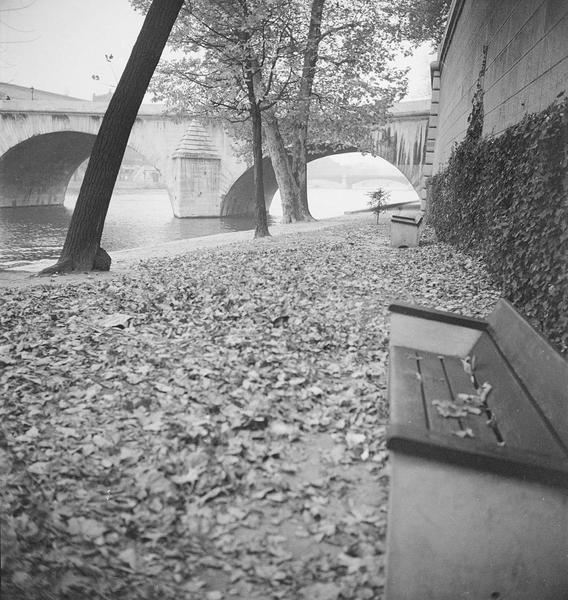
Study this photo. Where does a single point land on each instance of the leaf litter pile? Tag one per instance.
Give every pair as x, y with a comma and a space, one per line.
211, 426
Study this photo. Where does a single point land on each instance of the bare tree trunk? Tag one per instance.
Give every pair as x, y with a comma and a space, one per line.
251, 71
302, 180
282, 169
300, 148
261, 229
82, 251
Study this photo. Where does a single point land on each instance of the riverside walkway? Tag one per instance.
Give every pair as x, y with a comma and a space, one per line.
209, 423
124, 260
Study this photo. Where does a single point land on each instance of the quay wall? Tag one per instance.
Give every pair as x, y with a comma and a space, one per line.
526, 42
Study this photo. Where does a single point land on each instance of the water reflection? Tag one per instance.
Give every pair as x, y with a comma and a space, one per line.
144, 218
138, 218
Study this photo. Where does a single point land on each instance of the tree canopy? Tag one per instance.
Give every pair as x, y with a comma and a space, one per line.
425, 19
355, 79
325, 71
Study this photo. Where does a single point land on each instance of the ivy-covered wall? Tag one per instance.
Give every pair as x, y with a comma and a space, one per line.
506, 198
527, 57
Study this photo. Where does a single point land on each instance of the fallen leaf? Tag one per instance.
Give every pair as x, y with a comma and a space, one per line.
321, 591
128, 556
447, 409
190, 476
118, 320
39, 468
279, 428
129, 454
464, 433
86, 527
354, 439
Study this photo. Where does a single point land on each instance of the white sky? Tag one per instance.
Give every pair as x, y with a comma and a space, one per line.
57, 45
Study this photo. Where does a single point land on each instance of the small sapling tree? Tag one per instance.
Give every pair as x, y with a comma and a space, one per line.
378, 201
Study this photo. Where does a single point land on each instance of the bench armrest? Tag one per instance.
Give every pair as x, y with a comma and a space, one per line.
451, 318
434, 330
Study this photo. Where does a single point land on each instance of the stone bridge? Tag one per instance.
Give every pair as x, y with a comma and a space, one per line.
401, 141
42, 143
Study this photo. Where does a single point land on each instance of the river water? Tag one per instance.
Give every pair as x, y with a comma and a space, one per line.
145, 218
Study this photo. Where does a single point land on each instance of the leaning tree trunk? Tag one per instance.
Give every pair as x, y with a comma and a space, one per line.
81, 250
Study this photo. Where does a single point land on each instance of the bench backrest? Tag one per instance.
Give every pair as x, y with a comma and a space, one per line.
539, 367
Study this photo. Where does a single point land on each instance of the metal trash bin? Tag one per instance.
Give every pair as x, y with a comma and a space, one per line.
405, 230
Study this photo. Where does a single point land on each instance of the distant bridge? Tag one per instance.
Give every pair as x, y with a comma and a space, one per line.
42, 143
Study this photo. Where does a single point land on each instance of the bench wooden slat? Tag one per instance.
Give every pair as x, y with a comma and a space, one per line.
541, 369
461, 384
518, 421
436, 388
405, 386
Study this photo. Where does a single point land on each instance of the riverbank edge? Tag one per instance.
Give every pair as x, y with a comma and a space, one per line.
128, 260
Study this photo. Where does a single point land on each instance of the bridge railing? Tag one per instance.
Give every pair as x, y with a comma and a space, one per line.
72, 107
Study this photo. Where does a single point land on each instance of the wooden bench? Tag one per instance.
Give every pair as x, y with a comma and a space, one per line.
478, 442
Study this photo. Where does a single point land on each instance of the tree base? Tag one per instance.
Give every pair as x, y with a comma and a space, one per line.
102, 260
289, 219
70, 264
261, 233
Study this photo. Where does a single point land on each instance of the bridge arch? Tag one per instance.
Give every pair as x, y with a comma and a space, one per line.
401, 141
37, 170
239, 200
41, 144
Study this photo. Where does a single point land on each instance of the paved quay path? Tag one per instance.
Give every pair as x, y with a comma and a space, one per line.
211, 425
125, 260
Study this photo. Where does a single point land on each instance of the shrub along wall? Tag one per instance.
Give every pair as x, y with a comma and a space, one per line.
506, 198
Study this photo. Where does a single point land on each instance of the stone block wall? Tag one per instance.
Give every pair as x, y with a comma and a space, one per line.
526, 68
196, 187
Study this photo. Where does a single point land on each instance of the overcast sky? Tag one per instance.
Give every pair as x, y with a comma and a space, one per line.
57, 45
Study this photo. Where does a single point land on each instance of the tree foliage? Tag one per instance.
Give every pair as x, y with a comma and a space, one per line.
326, 63
225, 48
425, 20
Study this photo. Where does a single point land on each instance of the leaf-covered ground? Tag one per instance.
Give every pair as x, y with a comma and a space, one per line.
211, 426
